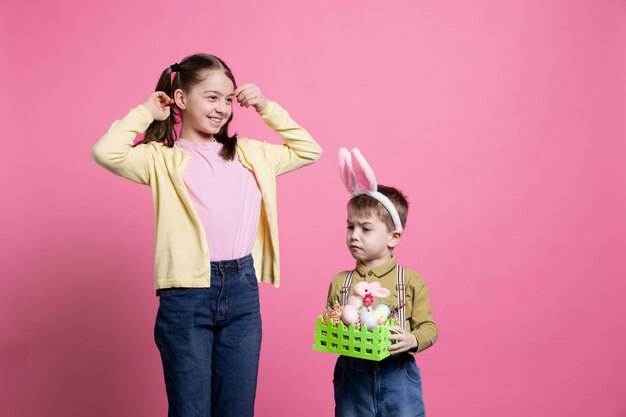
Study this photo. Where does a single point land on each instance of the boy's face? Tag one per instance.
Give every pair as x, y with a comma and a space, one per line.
369, 240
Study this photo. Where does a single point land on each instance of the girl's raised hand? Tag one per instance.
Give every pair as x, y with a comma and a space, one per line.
405, 340
251, 95
159, 105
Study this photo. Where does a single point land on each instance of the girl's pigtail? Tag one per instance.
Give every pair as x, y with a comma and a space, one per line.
229, 148
163, 131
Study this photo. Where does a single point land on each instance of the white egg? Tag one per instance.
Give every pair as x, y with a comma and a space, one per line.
368, 320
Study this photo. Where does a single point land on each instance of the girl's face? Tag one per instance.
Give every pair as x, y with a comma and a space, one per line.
207, 107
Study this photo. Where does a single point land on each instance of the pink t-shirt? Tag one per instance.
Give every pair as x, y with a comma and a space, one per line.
226, 197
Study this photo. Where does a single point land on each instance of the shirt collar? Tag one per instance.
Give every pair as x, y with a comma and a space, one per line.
379, 271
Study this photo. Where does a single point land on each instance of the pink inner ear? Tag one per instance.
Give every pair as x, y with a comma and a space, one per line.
363, 171
346, 171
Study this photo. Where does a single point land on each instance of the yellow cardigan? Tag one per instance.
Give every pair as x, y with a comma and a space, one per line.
181, 256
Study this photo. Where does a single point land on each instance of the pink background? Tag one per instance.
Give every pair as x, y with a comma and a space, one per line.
504, 121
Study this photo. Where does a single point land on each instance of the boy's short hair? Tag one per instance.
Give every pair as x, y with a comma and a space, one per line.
365, 205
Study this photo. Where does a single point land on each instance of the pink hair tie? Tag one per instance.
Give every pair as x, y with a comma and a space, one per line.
174, 68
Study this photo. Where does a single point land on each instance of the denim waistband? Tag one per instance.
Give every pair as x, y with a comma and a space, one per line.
397, 361
233, 264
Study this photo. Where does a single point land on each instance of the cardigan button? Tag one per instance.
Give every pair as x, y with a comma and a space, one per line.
370, 273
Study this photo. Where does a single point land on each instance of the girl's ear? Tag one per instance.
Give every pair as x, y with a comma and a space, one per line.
346, 171
363, 171
179, 99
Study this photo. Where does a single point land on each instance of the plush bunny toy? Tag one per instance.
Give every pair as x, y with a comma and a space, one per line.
359, 303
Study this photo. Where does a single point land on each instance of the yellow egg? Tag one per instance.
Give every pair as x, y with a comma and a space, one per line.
381, 312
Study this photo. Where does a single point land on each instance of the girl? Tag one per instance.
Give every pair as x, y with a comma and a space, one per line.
216, 226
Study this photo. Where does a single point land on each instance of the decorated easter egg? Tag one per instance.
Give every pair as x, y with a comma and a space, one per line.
381, 312
368, 320
349, 315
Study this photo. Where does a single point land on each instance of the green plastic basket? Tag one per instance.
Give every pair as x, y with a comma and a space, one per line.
348, 341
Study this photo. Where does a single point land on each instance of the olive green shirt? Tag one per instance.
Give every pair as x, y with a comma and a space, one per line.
419, 318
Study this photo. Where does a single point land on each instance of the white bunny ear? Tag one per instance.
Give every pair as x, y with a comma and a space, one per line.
363, 171
355, 170
346, 171
378, 290
382, 293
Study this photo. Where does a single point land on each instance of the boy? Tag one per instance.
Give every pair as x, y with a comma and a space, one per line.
366, 388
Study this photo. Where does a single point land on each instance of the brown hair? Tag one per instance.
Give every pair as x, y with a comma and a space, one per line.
363, 204
190, 73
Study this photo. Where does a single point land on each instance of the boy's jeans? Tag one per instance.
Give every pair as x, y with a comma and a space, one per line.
391, 387
210, 341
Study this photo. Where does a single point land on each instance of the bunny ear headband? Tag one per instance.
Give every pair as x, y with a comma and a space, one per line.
358, 177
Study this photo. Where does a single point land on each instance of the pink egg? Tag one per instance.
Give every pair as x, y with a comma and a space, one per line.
349, 315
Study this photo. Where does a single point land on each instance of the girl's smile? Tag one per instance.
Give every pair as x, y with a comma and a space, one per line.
216, 120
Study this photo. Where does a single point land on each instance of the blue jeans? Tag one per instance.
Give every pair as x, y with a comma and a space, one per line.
210, 342
389, 388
